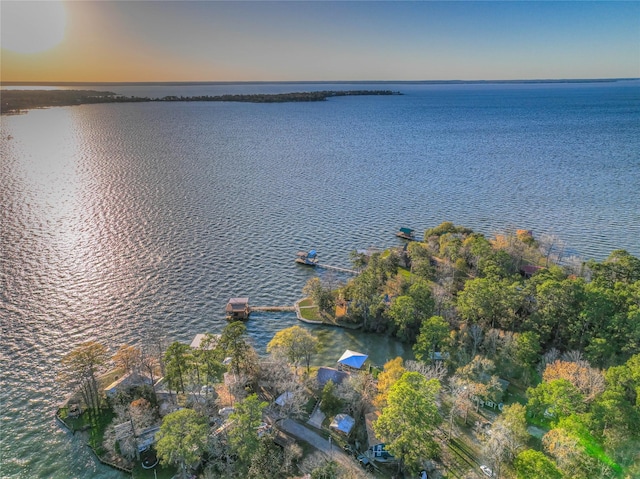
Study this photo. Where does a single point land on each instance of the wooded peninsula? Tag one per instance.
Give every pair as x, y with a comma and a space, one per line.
14, 101
527, 365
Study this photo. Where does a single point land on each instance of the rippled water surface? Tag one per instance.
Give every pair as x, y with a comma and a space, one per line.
117, 220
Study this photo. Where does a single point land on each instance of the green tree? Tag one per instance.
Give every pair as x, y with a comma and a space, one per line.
530, 464
489, 302
558, 397
326, 471
182, 439
178, 362
243, 433
233, 344
295, 343
409, 420
620, 266
320, 295
434, 336
331, 403
404, 315
79, 370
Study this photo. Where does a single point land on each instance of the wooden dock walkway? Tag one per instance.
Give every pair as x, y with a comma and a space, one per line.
272, 308
336, 268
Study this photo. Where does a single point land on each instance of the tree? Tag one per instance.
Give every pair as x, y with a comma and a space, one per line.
331, 402
489, 302
508, 435
404, 315
79, 370
393, 370
128, 358
558, 397
434, 335
295, 343
319, 294
243, 433
178, 362
409, 420
182, 439
589, 381
232, 343
533, 464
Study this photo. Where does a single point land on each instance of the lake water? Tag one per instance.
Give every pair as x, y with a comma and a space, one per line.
123, 219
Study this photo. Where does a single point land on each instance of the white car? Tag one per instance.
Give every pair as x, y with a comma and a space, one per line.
486, 470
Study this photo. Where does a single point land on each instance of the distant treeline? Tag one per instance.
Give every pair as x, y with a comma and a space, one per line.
17, 100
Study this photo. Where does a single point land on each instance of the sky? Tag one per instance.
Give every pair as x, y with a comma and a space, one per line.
163, 41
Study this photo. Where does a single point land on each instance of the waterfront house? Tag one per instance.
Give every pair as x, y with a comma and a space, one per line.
127, 381
237, 308
325, 375
197, 341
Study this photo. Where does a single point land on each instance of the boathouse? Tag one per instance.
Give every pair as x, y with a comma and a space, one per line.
406, 233
352, 360
237, 308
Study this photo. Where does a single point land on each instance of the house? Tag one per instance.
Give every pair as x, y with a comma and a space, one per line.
343, 423
127, 381
329, 374
352, 359
529, 270
376, 449
237, 308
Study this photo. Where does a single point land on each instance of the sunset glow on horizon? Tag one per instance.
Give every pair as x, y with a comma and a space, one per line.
154, 41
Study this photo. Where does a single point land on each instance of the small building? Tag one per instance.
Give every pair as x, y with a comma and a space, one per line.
126, 381
352, 359
376, 450
307, 258
343, 423
529, 270
330, 374
237, 308
406, 233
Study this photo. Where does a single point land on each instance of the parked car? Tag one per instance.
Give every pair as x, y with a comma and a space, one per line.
486, 470
365, 462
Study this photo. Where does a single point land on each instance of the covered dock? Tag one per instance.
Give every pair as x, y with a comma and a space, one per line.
238, 309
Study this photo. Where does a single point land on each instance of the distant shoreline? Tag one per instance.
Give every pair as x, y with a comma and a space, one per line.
324, 82
16, 101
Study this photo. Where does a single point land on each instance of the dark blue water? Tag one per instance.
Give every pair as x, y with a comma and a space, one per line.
117, 220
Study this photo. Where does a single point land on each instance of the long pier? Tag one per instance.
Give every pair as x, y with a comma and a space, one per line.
272, 308
336, 268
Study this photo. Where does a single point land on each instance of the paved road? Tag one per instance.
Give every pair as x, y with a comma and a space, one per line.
316, 440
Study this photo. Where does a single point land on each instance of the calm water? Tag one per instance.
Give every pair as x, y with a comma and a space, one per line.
117, 220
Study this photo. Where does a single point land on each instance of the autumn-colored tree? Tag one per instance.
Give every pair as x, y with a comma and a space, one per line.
589, 381
296, 343
393, 370
127, 358
80, 368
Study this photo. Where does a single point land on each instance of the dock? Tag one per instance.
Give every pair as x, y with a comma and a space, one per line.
336, 268
272, 309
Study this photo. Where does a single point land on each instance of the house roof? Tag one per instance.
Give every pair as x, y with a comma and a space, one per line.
371, 435
353, 359
197, 340
343, 423
284, 398
237, 304
330, 374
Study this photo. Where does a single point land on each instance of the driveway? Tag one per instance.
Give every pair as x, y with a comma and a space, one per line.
316, 440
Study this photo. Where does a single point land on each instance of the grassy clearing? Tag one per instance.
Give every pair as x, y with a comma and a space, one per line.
311, 313
163, 472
